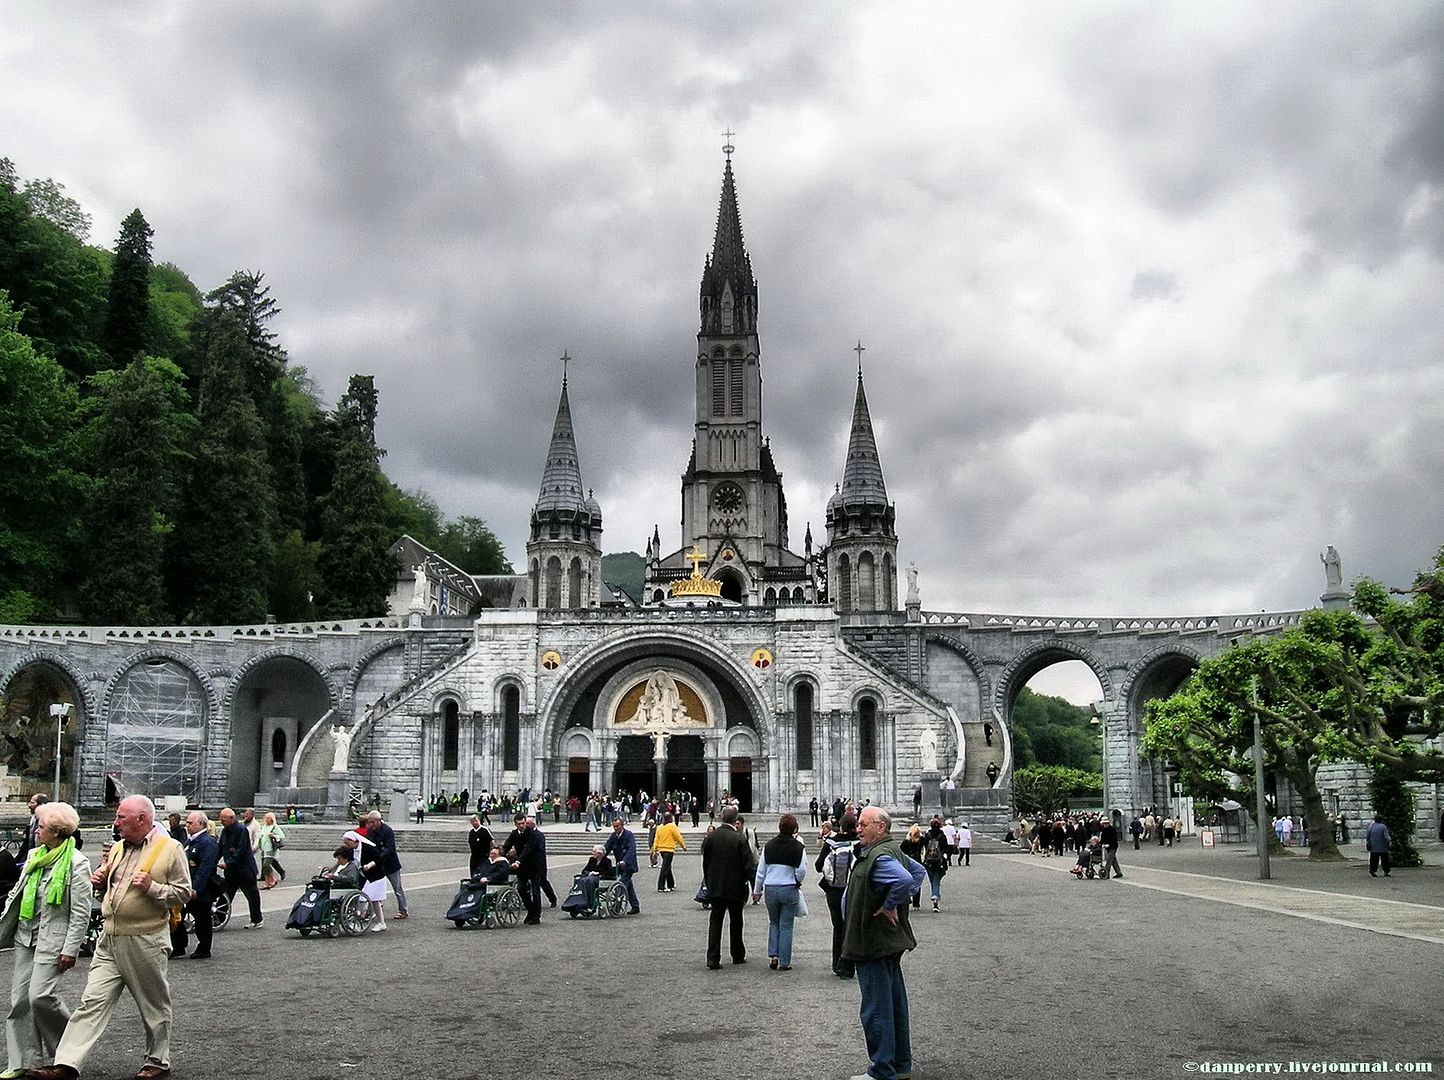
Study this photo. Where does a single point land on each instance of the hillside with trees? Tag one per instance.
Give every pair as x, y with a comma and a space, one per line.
161, 458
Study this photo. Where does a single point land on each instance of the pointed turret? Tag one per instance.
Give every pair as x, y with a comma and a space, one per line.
564, 551
729, 291
861, 540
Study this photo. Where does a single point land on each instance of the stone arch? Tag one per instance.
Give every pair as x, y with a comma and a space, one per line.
213, 700
501, 684
843, 599
574, 584
720, 664
553, 585
1166, 662
445, 692
358, 669
734, 584
866, 589
279, 652
61, 664
972, 659
769, 598
1033, 660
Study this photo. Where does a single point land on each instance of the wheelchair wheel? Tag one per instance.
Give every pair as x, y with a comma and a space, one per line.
509, 908
220, 912
355, 915
616, 901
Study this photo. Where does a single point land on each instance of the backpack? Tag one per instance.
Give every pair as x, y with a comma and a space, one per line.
838, 863
933, 851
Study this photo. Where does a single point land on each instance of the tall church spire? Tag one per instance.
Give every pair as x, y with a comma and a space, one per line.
862, 474
561, 486
729, 291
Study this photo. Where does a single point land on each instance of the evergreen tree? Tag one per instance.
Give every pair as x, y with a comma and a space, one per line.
138, 435
41, 488
224, 560
127, 314
357, 572
294, 579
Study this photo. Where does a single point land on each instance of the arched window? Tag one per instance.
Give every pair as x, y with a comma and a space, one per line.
574, 584
554, 584
797, 595
769, 598
511, 729
802, 711
843, 592
536, 598
734, 386
278, 747
450, 735
866, 583
867, 733
658, 596
889, 584
719, 387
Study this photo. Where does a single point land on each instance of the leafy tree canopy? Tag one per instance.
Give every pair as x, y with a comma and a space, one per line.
1051, 789
1048, 730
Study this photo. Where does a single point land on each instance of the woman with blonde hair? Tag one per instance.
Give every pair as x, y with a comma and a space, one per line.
45, 919
912, 847
268, 841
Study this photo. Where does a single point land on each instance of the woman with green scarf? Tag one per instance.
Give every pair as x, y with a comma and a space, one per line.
45, 919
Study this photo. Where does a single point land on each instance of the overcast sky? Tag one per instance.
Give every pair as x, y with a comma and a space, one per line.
1151, 294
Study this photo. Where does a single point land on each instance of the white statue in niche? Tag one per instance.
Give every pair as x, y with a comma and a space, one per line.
928, 748
343, 736
661, 705
420, 588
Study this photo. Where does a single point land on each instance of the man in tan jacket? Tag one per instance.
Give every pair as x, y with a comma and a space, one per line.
143, 878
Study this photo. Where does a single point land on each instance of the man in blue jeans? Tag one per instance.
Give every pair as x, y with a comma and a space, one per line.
622, 846
875, 910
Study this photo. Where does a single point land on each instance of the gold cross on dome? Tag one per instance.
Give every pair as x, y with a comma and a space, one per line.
696, 558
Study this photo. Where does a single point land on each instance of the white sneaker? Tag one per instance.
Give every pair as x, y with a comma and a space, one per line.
378, 928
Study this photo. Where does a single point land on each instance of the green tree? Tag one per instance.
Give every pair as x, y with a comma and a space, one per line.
127, 316
470, 546
41, 486
414, 514
357, 571
295, 581
175, 303
223, 566
138, 435
47, 200
1049, 789
1051, 731
54, 281
626, 570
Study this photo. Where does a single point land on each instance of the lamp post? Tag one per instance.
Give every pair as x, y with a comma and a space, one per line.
60, 713
1260, 806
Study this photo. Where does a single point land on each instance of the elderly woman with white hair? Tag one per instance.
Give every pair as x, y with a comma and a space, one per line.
45, 919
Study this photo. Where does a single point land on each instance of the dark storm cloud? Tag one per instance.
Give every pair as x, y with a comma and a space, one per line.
1150, 296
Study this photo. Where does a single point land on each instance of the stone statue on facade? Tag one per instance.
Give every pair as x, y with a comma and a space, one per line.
420, 589
912, 573
661, 706
1333, 570
928, 748
342, 736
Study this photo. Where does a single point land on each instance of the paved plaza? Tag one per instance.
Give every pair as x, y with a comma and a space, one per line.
1185, 964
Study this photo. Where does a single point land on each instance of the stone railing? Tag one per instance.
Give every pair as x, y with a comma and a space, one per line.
1262, 622
261, 631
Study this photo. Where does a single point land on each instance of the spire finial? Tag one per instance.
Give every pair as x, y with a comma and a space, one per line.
565, 361
859, 348
727, 147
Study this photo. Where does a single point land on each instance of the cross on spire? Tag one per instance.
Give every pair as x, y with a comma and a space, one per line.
696, 558
859, 348
565, 361
727, 147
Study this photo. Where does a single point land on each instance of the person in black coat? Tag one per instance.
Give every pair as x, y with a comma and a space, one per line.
202, 853
527, 850
480, 842
240, 875
386, 857
727, 868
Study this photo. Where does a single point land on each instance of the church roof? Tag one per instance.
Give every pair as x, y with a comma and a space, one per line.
729, 254
862, 481
728, 268
561, 486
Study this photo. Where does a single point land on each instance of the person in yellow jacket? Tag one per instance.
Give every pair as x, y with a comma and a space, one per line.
665, 843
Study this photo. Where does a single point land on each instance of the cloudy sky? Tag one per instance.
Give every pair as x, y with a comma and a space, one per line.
1151, 294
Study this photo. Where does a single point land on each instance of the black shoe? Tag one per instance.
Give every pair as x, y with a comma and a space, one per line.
177, 956
200, 956
737, 961
531, 922
713, 965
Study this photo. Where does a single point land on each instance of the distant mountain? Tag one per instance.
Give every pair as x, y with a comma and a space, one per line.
626, 570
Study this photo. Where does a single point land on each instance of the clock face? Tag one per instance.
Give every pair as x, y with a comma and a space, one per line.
728, 498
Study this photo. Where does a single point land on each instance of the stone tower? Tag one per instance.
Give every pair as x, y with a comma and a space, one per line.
861, 536
733, 507
564, 553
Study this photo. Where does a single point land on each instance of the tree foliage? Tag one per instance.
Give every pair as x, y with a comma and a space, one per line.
127, 316
357, 571
1050, 789
1048, 730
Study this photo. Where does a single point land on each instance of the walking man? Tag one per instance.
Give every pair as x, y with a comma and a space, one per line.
527, 851
666, 842
1378, 840
240, 863
202, 854
875, 908
479, 841
622, 847
1108, 837
728, 867
144, 876
381, 834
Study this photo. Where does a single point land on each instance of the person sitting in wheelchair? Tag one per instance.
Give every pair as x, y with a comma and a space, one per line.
495, 872
600, 864
345, 873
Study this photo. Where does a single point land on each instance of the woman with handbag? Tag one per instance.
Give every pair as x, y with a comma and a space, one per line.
45, 918
268, 841
779, 877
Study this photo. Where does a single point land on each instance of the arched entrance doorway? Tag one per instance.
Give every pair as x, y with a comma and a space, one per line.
633, 771
274, 705
687, 765
28, 732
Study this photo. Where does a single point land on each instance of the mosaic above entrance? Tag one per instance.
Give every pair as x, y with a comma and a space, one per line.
660, 702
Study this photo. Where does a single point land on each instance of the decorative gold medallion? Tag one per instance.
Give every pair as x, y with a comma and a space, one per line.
761, 659
551, 660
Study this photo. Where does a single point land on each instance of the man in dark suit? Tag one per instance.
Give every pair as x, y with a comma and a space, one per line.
240, 864
381, 834
202, 853
622, 846
526, 848
479, 841
727, 868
